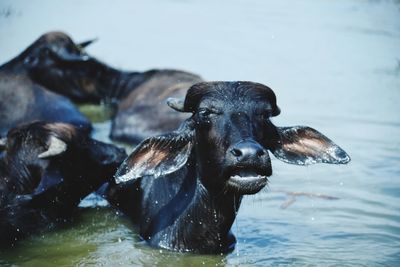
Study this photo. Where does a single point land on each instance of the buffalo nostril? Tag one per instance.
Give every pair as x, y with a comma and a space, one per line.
247, 150
236, 152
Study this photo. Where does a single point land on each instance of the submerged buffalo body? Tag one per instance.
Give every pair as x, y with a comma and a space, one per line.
45, 170
184, 188
25, 95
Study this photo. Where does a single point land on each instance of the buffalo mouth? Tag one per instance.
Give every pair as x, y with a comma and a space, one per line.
247, 181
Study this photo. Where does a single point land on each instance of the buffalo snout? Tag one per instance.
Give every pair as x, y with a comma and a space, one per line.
248, 167
247, 150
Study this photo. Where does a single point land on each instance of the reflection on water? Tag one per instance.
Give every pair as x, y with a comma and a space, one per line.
334, 66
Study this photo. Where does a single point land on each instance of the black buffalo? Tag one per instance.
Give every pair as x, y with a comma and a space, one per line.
45, 170
184, 188
51, 63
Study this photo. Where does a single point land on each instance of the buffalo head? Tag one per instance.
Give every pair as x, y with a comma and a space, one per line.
59, 64
39, 155
45, 171
231, 135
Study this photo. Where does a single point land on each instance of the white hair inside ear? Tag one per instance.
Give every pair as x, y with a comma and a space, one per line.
56, 147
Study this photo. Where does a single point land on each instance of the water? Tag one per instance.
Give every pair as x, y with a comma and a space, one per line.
334, 65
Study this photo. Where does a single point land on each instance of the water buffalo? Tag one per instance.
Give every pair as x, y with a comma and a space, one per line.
45, 170
138, 97
26, 96
184, 188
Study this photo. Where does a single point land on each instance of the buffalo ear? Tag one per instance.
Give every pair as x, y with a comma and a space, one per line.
157, 156
303, 145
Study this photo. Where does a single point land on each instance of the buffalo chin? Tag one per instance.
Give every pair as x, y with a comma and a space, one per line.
246, 183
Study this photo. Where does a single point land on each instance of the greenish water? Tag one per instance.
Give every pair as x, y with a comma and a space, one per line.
96, 113
334, 65
99, 236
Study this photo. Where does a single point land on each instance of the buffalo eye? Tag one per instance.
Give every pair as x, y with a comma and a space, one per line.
45, 51
208, 112
263, 114
206, 115
204, 112
45, 54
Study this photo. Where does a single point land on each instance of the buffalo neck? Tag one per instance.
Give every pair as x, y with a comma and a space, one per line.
111, 84
195, 220
210, 218
115, 85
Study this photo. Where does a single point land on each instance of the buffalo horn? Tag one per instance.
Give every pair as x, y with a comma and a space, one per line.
86, 43
176, 104
56, 147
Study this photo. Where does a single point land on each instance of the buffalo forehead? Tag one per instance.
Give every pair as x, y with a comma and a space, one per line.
235, 93
228, 92
237, 102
